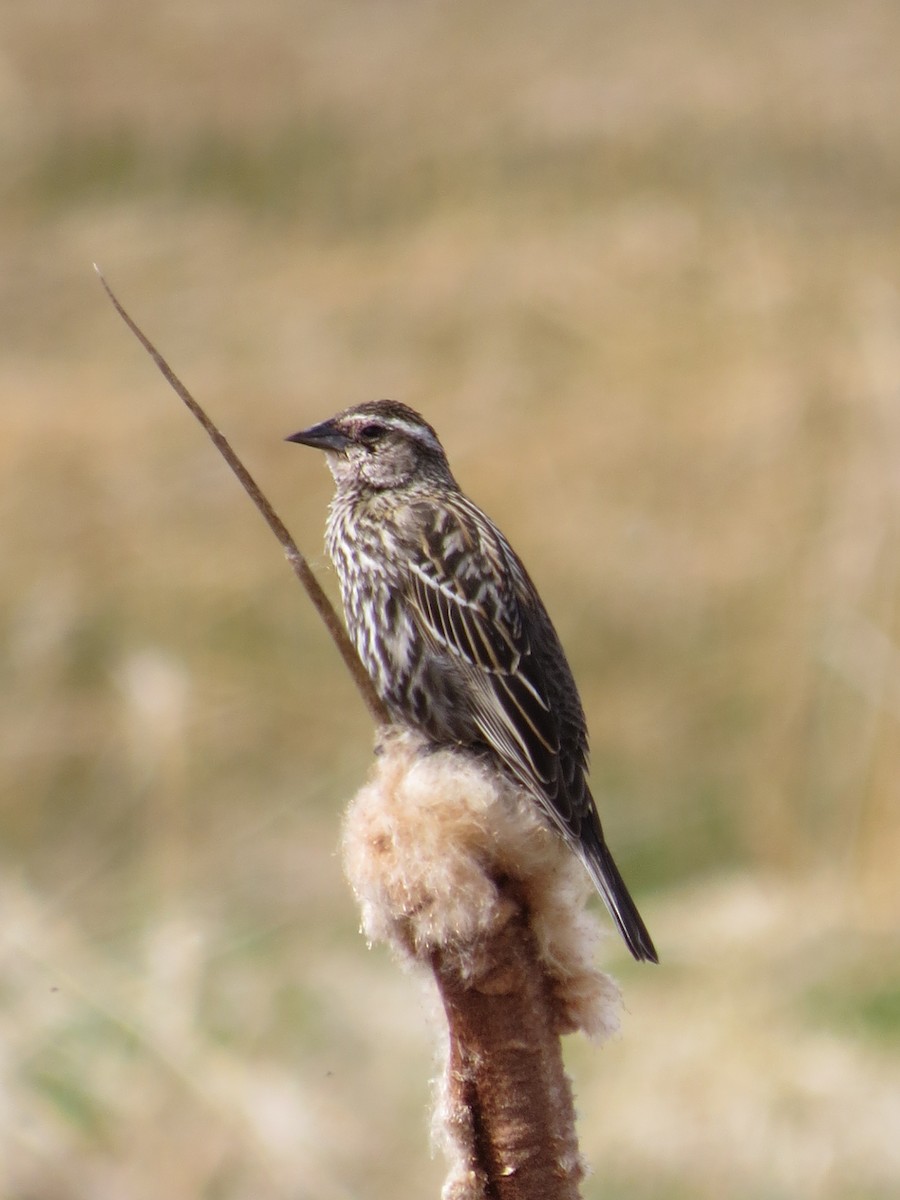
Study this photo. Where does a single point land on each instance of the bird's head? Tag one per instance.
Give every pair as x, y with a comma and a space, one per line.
381, 444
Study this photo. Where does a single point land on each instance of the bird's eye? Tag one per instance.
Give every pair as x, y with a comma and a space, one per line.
370, 432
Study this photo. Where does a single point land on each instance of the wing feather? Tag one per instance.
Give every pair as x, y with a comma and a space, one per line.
484, 629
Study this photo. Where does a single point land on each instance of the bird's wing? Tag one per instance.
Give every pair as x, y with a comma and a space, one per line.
464, 591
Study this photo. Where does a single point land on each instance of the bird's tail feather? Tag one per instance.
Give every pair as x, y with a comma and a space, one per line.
611, 886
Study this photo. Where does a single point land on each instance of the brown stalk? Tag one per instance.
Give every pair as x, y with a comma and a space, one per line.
298, 562
507, 1097
507, 1102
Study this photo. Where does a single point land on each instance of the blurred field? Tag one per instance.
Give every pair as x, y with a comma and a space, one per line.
639, 264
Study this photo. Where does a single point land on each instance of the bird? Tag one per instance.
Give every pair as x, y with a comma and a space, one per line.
453, 632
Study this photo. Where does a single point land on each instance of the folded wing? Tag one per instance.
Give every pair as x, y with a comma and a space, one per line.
466, 604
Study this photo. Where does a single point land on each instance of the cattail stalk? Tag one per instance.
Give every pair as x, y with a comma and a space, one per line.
454, 868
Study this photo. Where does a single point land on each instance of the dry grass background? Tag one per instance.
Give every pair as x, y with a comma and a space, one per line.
639, 264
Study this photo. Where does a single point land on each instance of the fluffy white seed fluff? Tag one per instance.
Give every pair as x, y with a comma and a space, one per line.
425, 841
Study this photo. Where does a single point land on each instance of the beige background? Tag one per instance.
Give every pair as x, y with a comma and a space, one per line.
639, 265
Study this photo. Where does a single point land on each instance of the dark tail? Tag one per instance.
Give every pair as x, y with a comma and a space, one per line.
611, 886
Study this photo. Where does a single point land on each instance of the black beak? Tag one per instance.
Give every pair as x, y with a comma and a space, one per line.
324, 436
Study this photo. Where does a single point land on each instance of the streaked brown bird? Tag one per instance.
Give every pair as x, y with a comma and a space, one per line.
452, 630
